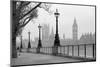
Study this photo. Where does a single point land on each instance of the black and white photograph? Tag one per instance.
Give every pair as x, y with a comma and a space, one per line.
52, 33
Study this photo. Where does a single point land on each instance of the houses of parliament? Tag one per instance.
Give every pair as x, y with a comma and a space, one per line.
47, 38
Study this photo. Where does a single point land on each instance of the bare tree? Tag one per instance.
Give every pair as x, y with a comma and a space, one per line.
22, 13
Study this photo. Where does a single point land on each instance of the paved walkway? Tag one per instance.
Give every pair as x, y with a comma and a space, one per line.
29, 58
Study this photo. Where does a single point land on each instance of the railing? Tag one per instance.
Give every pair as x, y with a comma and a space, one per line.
82, 51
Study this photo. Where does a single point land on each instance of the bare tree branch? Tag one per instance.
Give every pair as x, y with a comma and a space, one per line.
30, 10
25, 20
25, 23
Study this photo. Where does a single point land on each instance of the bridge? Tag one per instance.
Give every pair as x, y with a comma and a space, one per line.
61, 54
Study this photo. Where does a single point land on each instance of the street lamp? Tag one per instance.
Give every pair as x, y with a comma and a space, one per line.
29, 44
56, 41
39, 41
21, 45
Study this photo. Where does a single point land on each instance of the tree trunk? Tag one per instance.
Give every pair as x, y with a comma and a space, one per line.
13, 30
14, 51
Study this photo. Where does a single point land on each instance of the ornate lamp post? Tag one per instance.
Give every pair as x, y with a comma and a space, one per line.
29, 44
56, 41
39, 41
21, 46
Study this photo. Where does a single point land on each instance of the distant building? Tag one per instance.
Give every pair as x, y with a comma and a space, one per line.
51, 37
75, 32
45, 35
63, 41
88, 38
35, 42
45, 32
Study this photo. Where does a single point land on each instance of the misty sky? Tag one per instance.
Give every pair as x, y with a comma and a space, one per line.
85, 17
